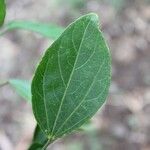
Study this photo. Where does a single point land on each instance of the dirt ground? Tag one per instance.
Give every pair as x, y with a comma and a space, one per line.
124, 122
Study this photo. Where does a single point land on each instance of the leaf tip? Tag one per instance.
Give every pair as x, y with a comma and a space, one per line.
93, 16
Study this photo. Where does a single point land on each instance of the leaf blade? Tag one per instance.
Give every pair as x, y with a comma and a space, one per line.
2, 12
69, 78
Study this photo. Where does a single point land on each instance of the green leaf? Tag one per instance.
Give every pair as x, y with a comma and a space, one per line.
72, 80
46, 30
2, 12
22, 87
39, 139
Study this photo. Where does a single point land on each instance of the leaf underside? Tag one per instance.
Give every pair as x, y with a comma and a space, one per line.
72, 80
2, 12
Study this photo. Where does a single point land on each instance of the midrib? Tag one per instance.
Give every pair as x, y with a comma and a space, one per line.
62, 100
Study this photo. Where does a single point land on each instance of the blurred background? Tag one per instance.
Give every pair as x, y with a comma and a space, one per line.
124, 122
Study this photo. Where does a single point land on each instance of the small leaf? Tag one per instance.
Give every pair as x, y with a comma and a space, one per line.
71, 82
46, 30
2, 12
22, 87
39, 139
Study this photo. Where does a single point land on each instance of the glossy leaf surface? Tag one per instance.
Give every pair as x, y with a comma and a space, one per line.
2, 11
46, 30
72, 80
